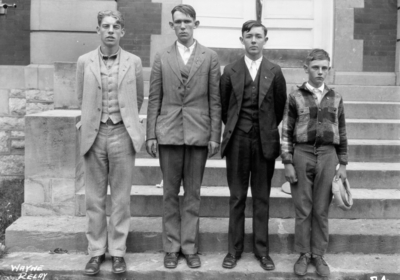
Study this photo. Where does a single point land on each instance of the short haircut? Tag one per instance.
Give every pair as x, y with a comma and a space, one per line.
185, 9
115, 14
248, 25
317, 54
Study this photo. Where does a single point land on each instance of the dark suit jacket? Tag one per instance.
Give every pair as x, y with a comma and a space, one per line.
188, 113
272, 99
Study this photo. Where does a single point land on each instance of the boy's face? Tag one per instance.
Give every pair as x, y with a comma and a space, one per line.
110, 32
317, 71
254, 41
183, 25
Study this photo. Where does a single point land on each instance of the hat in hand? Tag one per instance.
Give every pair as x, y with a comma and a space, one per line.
286, 188
341, 194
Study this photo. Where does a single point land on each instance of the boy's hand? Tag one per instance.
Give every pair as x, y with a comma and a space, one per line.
151, 147
290, 173
213, 148
341, 173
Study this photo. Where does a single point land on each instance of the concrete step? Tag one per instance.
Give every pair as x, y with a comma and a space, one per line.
365, 78
147, 201
41, 234
367, 175
372, 110
373, 129
363, 93
360, 150
149, 266
382, 129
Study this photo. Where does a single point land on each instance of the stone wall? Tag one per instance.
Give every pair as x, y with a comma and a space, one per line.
23, 91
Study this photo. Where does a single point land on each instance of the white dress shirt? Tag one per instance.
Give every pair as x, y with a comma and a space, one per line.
184, 51
319, 92
253, 66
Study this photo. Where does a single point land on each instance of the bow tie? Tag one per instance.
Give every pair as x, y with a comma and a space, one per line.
114, 56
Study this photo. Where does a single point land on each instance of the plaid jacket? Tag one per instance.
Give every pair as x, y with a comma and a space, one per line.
307, 123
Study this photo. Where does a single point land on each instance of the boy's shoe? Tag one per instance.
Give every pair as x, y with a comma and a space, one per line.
266, 263
171, 260
118, 265
93, 266
193, 260
300, 267
230, 261
321, 266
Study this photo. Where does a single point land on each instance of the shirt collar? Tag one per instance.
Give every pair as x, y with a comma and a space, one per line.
248, 62
310, 87
183, 48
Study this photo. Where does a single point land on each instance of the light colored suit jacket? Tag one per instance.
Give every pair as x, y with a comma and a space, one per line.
89, 92
181, 113
271, 103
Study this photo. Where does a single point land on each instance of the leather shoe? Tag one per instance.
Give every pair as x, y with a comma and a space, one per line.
193, 260
230, 261
171, 260
118, 265
321, 266
266, 262
300, 267
93, 266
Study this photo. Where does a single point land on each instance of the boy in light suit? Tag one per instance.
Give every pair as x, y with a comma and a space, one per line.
109, 86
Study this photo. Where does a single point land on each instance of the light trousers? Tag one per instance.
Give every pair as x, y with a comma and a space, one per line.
110, 160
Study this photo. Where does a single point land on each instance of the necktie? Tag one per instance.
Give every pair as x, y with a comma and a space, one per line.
186, 55
253, 70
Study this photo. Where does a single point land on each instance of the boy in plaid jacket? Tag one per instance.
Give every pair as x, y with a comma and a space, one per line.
313, 142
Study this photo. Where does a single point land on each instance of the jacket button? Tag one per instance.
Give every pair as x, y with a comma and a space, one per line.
99, 87
98, 109
230, 131
96, 129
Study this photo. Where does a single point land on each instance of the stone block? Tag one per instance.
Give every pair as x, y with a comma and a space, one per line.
51, 144
37, 190
48, 209
17, 107
344, 27
345, 4
3, 102
63, 190
9, 123
12, 76
18, 144
46, 77
33, 108
35, 95
72, 15
47, 46
4, 147
64, 85
365, 78
12, 165
17, 133
31, 73
17, 93
349, 55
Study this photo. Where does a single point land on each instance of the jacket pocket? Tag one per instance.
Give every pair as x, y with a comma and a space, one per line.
332, 114
303, 114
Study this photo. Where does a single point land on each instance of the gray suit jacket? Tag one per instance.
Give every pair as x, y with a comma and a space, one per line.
181, 113
89, 92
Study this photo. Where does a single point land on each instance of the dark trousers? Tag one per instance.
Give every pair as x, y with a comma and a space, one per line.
312, 195
181, 226
245, 160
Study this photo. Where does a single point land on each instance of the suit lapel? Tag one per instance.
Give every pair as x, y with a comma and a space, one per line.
238, 80
123, 66
95, 65
173, 62
197, 61
266, 78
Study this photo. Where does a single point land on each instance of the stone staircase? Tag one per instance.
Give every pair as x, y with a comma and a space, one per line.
364, 242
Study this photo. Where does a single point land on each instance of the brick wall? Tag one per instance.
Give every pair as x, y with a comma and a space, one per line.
376, 24
142, 18
14, 34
